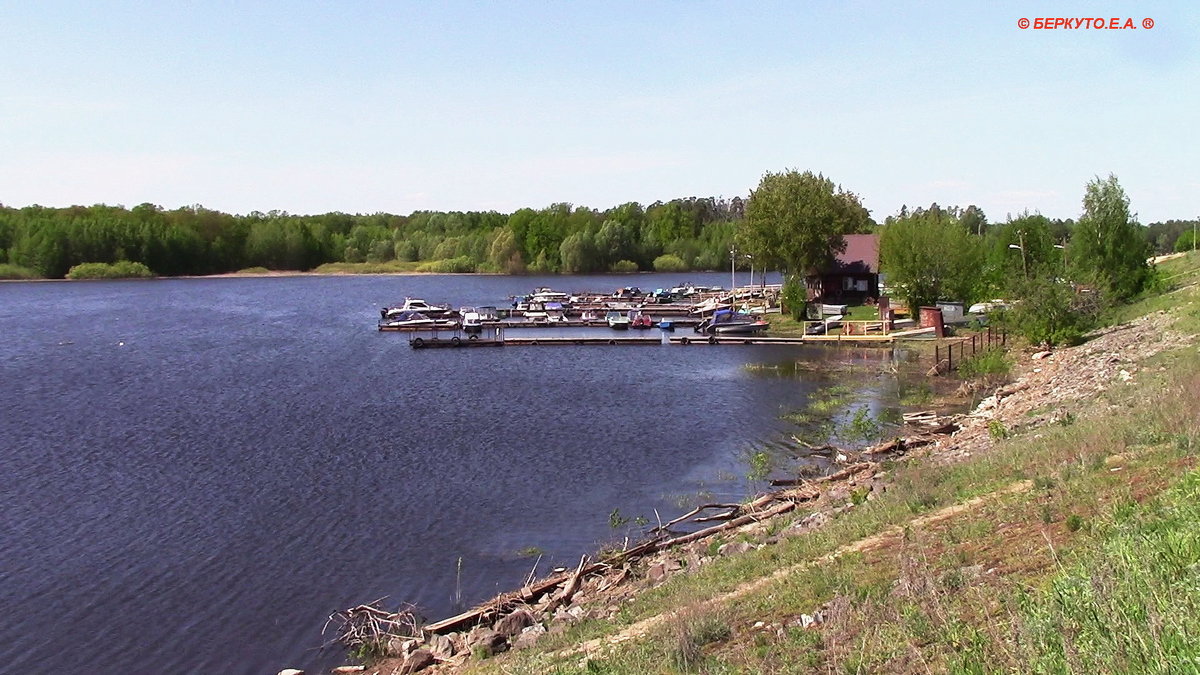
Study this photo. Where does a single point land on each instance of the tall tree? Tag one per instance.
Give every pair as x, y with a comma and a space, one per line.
929, 255
1108, 248
795, 221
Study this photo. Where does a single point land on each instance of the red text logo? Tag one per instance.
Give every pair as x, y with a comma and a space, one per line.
1084, 23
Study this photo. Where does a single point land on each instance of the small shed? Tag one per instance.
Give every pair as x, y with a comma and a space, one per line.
853, 278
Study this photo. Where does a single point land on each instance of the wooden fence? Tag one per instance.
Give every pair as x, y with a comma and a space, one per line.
955, 352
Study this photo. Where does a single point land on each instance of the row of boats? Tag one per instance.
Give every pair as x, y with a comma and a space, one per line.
627, 308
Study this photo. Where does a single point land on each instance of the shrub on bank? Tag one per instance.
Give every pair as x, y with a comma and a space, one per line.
669, 263
122, 269
390, 267
990, 362
460, 265
9, 271
624, 267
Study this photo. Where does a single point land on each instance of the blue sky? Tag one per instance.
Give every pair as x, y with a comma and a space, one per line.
362, 107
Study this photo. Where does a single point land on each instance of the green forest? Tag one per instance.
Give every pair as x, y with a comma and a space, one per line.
675, 236
679, 235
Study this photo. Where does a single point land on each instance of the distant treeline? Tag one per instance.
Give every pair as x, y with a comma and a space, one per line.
679, 235
675, 236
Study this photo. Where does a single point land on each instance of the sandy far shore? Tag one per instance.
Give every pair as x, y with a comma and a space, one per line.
269, 274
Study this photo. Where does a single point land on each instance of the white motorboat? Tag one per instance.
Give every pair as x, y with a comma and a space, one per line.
617, 321
419, 305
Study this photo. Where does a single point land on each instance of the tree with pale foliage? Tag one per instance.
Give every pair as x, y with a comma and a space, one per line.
1108, 248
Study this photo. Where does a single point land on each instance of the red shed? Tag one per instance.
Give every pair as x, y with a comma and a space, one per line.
854, 275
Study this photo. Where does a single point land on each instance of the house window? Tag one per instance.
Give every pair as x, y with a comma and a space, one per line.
847, 283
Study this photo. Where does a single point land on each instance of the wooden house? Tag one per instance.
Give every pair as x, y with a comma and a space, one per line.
853, 278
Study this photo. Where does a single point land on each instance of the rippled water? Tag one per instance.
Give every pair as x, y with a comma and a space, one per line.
194, 473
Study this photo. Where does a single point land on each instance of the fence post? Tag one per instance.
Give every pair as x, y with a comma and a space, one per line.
949, 357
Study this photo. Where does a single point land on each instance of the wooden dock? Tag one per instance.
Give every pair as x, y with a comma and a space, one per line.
700, 339
453, 342
522, 323
458, 341
538, 341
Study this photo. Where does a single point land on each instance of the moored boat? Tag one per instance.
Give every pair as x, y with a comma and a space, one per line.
413, 321
639, 320
617, 321
419, 305
726, 322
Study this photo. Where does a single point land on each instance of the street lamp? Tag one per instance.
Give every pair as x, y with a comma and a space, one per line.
1024, 263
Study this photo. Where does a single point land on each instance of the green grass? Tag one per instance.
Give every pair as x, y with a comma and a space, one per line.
1179, 295
1128, 605
862, 313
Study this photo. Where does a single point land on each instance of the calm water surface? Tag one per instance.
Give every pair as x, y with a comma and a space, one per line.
195, 473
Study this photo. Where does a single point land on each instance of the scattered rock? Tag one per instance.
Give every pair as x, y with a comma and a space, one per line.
348, 669
577, 612
529, 636
291, 671
440, 646
418, 660
514, 623
657, 572
735, 548
486, 639
1125, 376
1040, 355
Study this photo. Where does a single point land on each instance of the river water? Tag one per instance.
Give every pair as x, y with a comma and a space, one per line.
194, 473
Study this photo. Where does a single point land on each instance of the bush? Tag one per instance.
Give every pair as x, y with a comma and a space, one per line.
795, 297
460, 265
624, 267
8, 271
122, 269
990, 362
1053, 313
669, 263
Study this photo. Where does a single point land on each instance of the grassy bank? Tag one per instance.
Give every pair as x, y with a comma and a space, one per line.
1069, 545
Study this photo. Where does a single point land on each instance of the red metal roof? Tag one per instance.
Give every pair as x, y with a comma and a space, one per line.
861, 254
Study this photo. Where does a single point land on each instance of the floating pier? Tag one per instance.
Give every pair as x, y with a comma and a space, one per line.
649, 340
700, 339
458, 341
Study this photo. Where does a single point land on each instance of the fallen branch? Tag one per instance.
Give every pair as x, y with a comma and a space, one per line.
564, 596
846, 472
693, 512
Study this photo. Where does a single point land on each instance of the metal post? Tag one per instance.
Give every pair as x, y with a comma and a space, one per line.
732, 278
